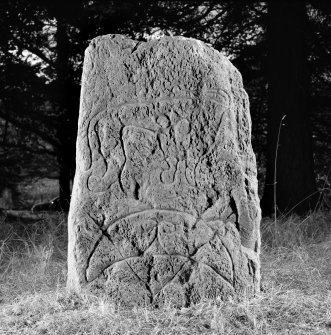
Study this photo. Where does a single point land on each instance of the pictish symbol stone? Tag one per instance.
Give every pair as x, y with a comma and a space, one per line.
164, 204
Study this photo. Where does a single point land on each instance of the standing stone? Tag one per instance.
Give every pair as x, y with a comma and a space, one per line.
164, 204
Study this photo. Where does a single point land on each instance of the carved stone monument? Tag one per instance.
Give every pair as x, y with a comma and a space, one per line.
164, 204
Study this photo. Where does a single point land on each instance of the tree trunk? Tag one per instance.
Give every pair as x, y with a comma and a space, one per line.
288, 89
63, 124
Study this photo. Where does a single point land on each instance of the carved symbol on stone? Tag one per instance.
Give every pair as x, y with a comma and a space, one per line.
162, 234
110, 164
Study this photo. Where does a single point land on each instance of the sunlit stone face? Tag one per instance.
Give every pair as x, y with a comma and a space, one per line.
164, 204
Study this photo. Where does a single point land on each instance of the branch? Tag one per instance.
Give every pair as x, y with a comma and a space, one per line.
206, 24
181, 13
33, 151
31, 128
200, 17
39, 54
35, 51
234, 32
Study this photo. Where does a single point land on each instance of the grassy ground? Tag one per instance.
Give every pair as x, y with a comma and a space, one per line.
295, 297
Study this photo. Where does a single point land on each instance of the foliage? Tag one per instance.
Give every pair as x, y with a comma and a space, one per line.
41, 56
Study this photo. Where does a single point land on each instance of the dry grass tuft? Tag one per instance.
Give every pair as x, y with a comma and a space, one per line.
293, 231
295, 297
32, 255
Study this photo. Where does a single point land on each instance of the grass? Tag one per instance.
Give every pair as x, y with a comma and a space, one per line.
295, 296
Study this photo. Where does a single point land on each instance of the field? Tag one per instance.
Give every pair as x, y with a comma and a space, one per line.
295, 296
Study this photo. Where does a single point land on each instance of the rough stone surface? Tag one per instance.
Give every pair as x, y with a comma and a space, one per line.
164, 204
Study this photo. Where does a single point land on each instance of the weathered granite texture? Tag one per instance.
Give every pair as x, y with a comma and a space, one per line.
164, 204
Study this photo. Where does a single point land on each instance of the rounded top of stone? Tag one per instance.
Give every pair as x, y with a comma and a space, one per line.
126, 43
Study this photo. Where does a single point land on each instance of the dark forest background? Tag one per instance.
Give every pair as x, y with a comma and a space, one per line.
281, 48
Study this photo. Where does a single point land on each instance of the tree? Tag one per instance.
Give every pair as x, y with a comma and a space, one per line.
40, 96
56, 39
28, 146
290, 181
